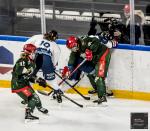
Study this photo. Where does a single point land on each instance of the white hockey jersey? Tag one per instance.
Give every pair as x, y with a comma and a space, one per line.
45, 47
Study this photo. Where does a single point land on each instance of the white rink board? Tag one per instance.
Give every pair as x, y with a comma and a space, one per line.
129, 70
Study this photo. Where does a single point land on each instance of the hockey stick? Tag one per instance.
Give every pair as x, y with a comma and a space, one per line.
48, 93
72, 101
73, 86
72, 71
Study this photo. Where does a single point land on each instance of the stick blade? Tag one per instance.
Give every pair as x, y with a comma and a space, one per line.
87, 98
44, 92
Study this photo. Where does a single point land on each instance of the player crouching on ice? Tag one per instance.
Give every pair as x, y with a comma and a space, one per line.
20, 83
97, 57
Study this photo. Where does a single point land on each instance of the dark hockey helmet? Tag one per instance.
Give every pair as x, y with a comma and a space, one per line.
29, 48
71, 42
52, 35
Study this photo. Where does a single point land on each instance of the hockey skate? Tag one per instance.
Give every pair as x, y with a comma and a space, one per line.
43, 110
59, 98
100, 100
29, 118
109, 94
54, 95
57, 95
23, 102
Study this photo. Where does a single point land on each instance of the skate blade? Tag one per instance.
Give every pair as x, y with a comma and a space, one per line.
45, 114
31, 121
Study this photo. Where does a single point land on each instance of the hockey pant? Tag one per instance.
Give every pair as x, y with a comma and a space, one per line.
98, 79
31, 98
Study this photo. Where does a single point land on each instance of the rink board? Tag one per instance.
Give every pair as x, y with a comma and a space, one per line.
128, 76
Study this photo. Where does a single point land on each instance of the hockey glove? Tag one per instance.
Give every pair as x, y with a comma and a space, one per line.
32, 78
88, 55
114, 43
41, 82
111, 43
65, 72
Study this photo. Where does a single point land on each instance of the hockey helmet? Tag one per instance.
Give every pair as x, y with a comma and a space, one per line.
29, 48
52, 35
71, 42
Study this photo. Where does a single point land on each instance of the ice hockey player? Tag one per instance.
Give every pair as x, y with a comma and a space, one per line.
112, 33
20, 83
98, 58
47, 55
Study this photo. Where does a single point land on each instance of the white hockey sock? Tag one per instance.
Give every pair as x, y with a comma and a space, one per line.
53, 83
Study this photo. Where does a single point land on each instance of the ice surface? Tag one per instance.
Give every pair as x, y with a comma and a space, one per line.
111, 116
